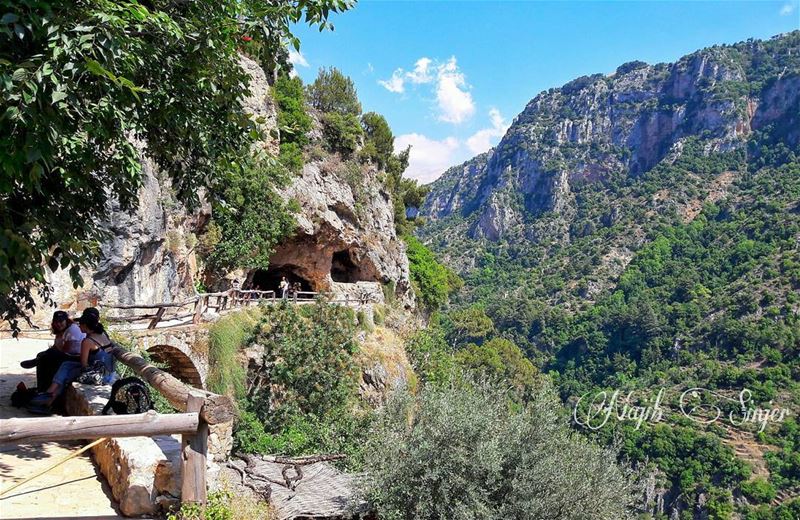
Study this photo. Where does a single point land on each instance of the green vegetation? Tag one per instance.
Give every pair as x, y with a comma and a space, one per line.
432, 282
333, 92
293, 121
249, 219
228, 336
87, 87
676, 275
461, 452
302, 398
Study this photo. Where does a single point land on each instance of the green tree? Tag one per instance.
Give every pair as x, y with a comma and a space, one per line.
293, 121
432, 281
379, 145
87, 87
251, 221
332, 91
463, 453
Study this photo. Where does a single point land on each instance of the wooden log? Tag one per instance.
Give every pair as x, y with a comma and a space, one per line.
151, 306
156, 318
198, 311
46, 429
193, 456
216, 408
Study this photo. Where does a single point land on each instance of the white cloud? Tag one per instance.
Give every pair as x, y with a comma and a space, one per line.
453, 99
484, 139
297, 59
395, 83
455, 102
421, 72
788, 8
429, 158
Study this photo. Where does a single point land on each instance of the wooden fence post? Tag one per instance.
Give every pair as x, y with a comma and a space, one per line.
198, 310
194, 453
157, 318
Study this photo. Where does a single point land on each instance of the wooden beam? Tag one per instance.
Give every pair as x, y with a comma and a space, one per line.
157, 318
46, 429
216, 408
193, 456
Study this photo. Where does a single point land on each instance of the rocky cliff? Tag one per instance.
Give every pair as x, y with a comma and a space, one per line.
579, 161
601, 129
345, 240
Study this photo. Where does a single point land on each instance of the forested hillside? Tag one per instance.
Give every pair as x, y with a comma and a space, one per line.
641, 231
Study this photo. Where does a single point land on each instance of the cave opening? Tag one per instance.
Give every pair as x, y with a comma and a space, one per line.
269, 279
344, 269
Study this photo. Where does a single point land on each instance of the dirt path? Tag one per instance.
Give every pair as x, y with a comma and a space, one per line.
72, 490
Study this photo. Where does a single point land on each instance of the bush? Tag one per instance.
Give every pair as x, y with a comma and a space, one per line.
221, 505
249, 218
432, 281
302, 396
462, 453
759, 490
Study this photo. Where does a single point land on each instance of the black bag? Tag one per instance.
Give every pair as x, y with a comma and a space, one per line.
22, 396
129, 396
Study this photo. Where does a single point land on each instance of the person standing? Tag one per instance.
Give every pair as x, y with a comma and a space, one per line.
284, 287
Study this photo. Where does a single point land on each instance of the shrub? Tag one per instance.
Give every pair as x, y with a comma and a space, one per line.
759, 490
463, 453
302, 396
432, 281
221, 505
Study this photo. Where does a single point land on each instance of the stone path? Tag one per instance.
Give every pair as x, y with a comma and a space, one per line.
73, 490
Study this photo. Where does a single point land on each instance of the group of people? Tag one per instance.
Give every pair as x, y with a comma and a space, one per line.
289, 289
81, 351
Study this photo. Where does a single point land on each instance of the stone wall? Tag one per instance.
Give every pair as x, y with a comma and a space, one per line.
144, 473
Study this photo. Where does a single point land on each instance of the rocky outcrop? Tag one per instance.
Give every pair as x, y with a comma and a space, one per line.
600, 128
345, 232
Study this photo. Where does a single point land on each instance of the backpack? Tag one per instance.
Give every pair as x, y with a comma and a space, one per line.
129, 396
93, 375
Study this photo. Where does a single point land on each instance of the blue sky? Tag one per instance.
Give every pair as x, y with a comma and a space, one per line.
450, 76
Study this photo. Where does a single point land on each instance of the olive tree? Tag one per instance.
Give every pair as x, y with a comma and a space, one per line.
462, 452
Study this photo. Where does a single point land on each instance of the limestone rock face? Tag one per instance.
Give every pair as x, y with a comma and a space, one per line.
603, 127
345, 235
260, 105
147, 257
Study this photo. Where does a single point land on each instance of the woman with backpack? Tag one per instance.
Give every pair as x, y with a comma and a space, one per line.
96, 365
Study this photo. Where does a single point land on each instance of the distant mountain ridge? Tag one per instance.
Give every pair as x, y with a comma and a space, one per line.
597, 129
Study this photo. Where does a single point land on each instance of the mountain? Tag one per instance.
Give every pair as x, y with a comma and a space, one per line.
640, 231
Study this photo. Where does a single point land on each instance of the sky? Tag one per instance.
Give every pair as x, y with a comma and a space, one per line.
450, 76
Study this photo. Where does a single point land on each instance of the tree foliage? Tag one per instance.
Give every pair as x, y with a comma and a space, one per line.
463, 453
332, 91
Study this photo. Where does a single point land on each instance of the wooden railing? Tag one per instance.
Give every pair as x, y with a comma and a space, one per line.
200, 409
220, 302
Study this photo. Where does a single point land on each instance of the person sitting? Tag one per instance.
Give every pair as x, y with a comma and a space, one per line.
66, 347
94, 349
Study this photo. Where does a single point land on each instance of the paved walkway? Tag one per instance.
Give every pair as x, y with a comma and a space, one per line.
73, 490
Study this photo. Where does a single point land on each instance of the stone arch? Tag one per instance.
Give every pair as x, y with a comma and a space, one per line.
177, 363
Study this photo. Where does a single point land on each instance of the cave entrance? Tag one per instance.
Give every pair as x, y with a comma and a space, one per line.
344, 269
270, 279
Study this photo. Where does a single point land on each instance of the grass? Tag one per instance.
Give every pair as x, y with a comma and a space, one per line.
227, 337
